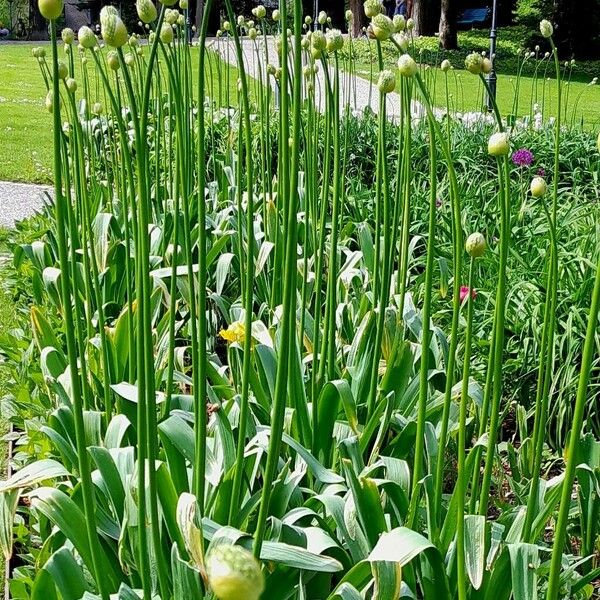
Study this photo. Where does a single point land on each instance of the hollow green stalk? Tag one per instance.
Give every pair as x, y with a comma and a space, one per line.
87, 488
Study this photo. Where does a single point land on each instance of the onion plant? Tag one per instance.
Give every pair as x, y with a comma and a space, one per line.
249, 377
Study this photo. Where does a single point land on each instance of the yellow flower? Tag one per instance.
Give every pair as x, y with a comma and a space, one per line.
235, 333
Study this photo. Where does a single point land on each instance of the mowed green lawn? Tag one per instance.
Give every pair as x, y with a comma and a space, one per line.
466, 92
25, 124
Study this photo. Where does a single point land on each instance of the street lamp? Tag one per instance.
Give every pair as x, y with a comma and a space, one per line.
492, 79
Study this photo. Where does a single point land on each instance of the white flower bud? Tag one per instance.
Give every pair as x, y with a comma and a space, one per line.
322, 18
407, 66
146, 11
234, 574
475, 245
383, 27
50, 9
474, 63
538, 187
112, 60
113, 29
445, 66
372, 8
166, 33
546, 28
386, 82
498, 144
67, 35
276, 15
71, 85
335, 40
86, 37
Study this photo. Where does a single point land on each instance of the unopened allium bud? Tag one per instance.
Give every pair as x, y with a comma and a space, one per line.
67, 35
316, 54
50, 101
86, 37
260, 12
234, 574
305, 43
97, 108
445, 66
308, 20
318, 41
146, 11
372, 8
402, 40
386, 82
349, 16
276, 15
307, 71
252, 33
113, 29
546, 28
226, 26
71, 85
63, 70
486, 66
180, 20
112, 60
322, 18
50, 9
130, 60
166, 33
407, 65
474, 63
183, 4
335, 40
399, 23
139, 51
410, 24
498, 144
171, 16
475, 245
538, 187
383, 27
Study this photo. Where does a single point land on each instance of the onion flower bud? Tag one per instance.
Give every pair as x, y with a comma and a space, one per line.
67, 35
112, 59
486, 66
146, 11
383, 27
252, 33
276, 15
86, 37
474, 63
498, 144
335, 40
407, 66
50, 9
166, 33
322, 18
475, 245
183, 4
399, 23
260, 12
130, 60
546, 28
318, 41
538, 187
349, 16
112, 27
445, 66
234, 574
386, 82
372, 8
71, 85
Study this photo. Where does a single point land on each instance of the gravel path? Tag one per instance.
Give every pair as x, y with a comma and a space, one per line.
19, 200
356, 92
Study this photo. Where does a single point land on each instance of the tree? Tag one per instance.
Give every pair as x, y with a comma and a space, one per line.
424, 14
360, 20
448, 36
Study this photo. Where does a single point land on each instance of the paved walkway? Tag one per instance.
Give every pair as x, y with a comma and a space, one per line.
20, 200
356, 92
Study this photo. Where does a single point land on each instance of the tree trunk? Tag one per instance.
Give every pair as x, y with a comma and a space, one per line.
424, 14
360, 20
448, 37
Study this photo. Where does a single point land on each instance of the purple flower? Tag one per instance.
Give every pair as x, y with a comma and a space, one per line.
541, 172
438, 203
522, 157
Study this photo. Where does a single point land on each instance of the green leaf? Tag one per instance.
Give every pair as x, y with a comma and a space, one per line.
33, 474
524, 561
475, 548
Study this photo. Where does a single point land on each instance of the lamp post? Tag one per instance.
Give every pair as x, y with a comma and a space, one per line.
492, 79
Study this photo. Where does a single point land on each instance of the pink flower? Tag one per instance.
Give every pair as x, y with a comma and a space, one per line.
464, 292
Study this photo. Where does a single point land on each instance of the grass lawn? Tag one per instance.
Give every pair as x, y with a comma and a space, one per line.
25, 124
466, 94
